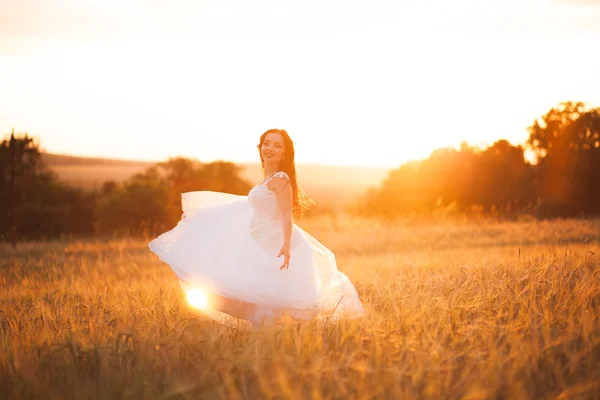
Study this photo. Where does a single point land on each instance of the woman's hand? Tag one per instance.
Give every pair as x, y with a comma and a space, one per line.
285, 251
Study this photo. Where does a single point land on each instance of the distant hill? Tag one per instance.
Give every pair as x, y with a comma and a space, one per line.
333, 185
63, 159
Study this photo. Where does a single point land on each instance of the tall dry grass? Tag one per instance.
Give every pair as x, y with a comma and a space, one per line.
454, 310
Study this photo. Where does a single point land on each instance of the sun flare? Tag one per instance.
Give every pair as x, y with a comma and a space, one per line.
197, 298
530, 156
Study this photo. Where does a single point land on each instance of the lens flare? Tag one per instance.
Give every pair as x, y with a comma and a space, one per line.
197, 298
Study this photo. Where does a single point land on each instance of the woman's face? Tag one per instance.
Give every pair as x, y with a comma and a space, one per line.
273, 148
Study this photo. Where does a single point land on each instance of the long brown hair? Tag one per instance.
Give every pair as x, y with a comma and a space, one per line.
300, 201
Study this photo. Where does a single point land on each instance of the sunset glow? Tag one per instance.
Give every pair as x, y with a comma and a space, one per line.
363, 83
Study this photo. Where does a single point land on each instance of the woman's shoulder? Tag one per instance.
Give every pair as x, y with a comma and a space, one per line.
281, 175
279, 181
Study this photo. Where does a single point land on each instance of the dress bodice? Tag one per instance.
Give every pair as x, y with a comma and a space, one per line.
265, 220
264, 201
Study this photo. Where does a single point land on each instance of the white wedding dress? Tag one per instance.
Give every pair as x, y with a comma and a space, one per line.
227, 245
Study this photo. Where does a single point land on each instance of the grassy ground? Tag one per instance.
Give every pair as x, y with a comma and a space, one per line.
454, 310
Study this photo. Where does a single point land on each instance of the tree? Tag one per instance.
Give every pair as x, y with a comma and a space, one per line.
495, 178
548, 134
567, 141
20, 168
149, 203
137, 206
504, 178
39, 206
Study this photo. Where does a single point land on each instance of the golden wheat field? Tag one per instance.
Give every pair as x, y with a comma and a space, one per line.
454, 310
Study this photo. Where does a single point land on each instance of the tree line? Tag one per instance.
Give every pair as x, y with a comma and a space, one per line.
498, 180
563, 182
41, 206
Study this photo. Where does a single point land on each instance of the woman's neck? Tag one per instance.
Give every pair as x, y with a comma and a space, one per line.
270, 169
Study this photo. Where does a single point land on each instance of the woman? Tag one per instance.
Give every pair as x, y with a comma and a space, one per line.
246, 259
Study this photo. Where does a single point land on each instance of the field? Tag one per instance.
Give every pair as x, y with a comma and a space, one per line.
473, 310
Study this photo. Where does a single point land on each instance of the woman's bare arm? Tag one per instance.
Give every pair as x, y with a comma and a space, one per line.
283, 190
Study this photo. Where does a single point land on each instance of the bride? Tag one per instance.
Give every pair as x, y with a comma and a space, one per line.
241, 259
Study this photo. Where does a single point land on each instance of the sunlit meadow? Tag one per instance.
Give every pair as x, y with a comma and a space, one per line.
453, 310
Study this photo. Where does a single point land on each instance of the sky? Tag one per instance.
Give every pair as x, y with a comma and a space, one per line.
354, 82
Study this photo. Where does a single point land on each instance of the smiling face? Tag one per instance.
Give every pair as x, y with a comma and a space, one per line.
273, 148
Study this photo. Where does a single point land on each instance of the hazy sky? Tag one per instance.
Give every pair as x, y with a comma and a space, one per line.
354, 82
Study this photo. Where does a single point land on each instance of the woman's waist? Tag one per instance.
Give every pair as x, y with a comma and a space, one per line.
258, 222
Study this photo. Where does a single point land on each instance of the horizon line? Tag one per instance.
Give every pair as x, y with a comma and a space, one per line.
241, 162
